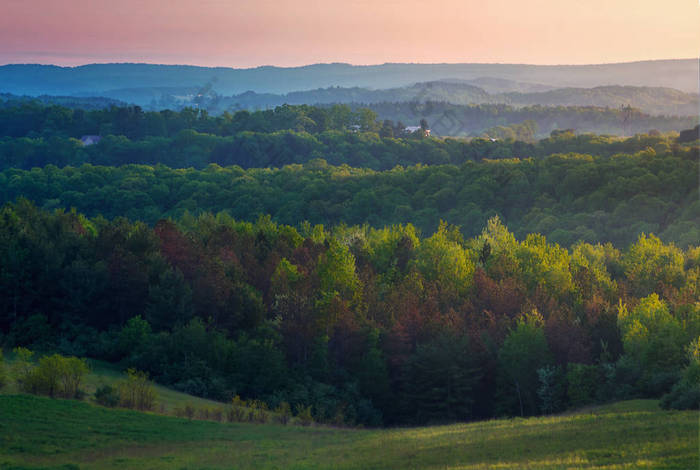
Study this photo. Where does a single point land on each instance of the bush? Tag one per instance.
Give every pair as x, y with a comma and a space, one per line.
620, 380
236, 412
107, 395
685, 395
136, 391
72, 372
3, 376
257, 412
304, 415
550, 391
203, 413
55, 375
23, 368
583, 381
186, 411
283, 413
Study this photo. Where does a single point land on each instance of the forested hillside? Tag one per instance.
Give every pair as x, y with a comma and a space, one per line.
467, 120
32, 134
73, 102
413, 280
365, 325
568, 197
655, 101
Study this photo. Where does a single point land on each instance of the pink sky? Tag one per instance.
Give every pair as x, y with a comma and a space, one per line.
239, 33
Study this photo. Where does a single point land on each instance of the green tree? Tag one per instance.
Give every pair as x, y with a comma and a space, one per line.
441, 258
650, 265
523, 352
651, 335
440, 380
169, 301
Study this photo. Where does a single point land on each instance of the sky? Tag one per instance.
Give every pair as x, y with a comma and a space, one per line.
235, 33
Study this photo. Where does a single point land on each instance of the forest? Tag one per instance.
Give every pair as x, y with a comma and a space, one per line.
567, 197
377, 326
35, 135
34, 118
322, 258
485, 90
448, 119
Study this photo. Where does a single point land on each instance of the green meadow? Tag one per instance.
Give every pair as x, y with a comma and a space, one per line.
41, 433
103, 373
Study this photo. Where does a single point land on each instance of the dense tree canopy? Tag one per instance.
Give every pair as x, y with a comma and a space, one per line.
485, 277
379, 324
567, 197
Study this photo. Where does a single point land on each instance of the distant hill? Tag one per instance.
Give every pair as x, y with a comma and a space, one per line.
453, 92
448, 119
652, 100
73, 102
502, 85
96, 79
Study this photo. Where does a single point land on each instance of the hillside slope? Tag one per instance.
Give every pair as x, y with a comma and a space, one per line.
652, 100
42, 433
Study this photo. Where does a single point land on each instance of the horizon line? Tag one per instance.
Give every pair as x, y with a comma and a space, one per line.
588, 64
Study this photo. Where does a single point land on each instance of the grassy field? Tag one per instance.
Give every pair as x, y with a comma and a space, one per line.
104, 373
38, 432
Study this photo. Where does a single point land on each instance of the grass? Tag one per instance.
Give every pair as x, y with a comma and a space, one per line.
104, 373
37, 432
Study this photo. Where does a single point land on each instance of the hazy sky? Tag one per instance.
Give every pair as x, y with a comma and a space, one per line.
240, 33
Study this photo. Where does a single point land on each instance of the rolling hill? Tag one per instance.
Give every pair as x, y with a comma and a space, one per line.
652, 100
40, 433
96, 79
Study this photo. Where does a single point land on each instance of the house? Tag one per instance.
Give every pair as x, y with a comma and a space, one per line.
412, 129
90, 139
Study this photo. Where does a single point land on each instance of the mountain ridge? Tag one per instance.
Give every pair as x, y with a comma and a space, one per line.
93, 78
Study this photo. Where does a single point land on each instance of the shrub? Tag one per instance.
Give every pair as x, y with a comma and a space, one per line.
304, 415
685, 395
23, 368
3, 377
55, 375
203, 413
236, 412
283, 413
339, 418
107, 395
550, 389
583, 381
620, 380
234, 415
72, 371
136, 391
217, 414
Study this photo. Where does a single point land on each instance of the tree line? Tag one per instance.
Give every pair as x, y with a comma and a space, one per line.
449, 119
567, 197
379, 326
375, 150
